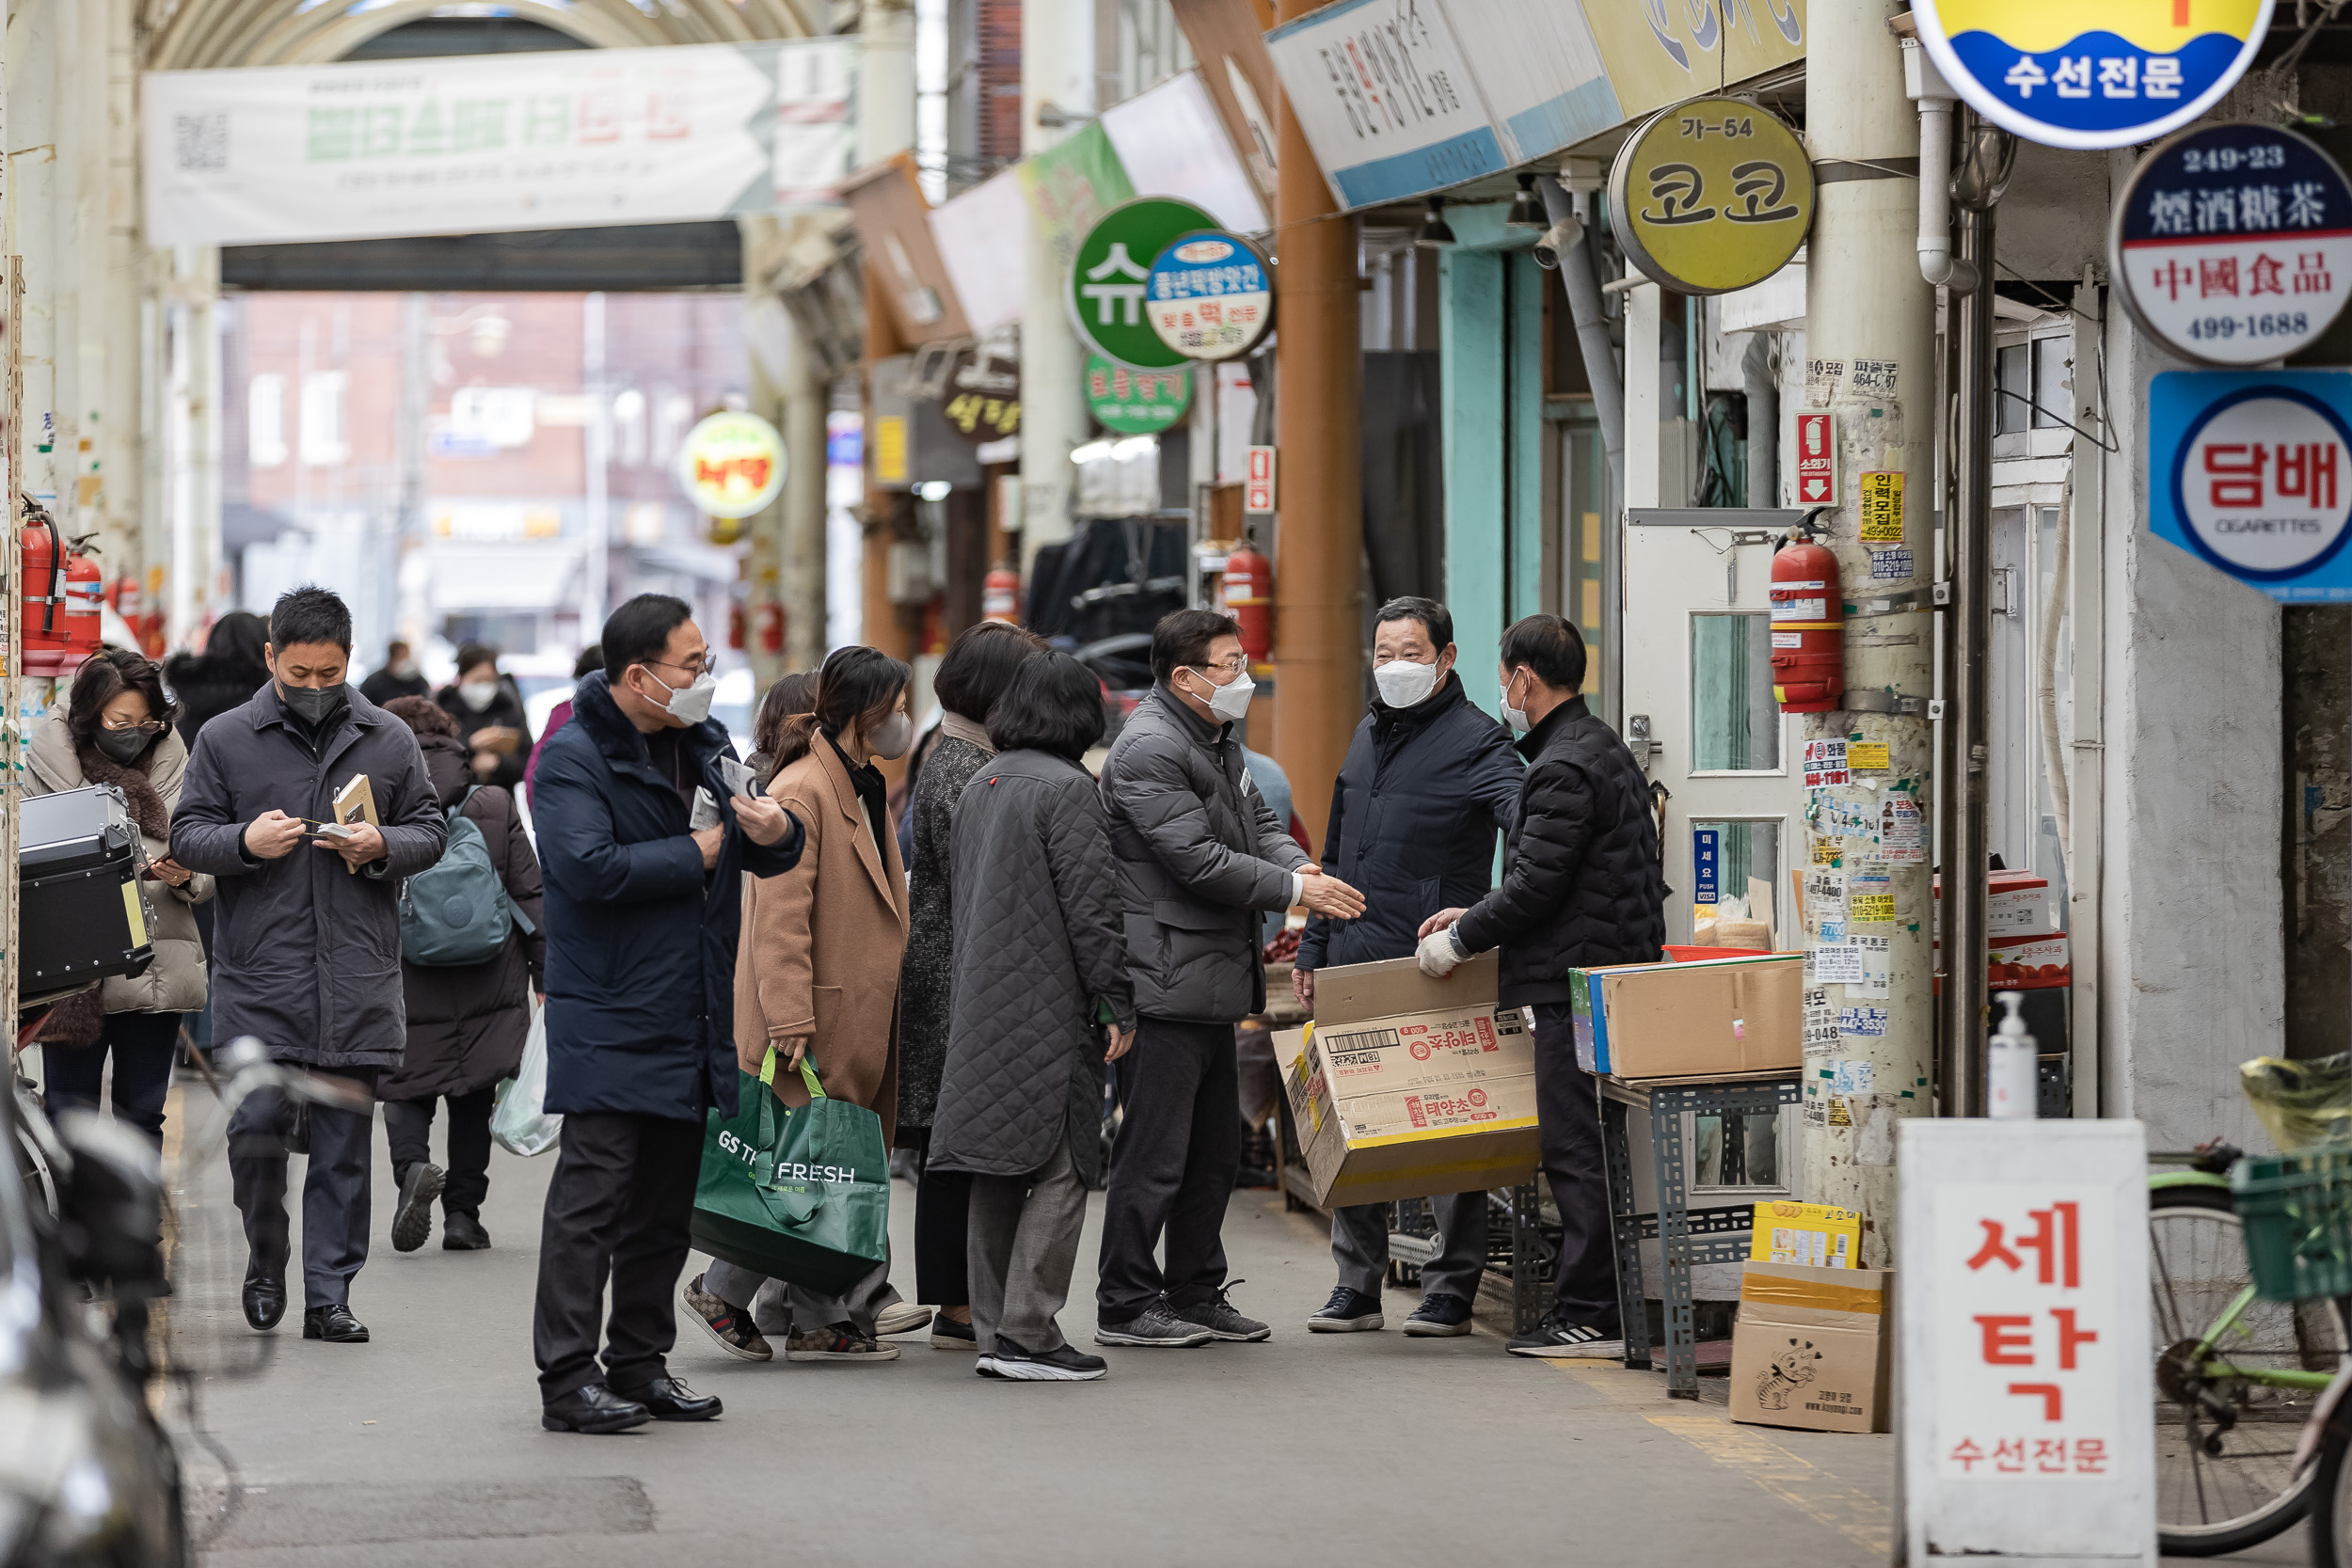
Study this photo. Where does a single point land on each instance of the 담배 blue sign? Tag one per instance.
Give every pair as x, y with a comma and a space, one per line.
2251, 472
2091, 74
1706, 865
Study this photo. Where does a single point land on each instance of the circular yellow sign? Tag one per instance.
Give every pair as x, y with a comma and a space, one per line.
1711, 196
731, 465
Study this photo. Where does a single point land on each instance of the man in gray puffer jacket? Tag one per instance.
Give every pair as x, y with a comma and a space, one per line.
1199, 853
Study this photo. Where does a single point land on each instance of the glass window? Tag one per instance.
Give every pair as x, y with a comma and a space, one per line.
1584, 553
1746, 851
2050, 378
2012, 410
1735, 723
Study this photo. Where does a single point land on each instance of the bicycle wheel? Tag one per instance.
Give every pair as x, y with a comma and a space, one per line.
2331, 1499
2225, 1447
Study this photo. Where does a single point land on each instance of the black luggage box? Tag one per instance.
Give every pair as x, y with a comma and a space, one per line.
81, 915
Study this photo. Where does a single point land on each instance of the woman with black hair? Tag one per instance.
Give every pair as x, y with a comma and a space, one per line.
488, 708
115, 728
817, 975
1041, 1000
224, 676
980, 663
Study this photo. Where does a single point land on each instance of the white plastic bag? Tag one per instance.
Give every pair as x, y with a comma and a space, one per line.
520, 1122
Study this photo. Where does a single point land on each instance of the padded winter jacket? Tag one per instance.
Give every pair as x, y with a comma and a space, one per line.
1413, 819
1199, 853
1581, 883
1039, 954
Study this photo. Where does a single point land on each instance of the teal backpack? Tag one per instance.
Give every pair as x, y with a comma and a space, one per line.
456, 911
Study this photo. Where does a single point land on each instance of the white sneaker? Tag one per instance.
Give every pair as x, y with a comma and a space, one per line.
903, 1318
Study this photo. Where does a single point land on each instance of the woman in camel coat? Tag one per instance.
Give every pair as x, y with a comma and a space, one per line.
818, 974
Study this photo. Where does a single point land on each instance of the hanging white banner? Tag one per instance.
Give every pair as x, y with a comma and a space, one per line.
565, 139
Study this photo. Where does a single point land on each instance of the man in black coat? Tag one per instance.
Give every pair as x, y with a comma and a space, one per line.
305, 948
643, 912
1427, 781
1582, 886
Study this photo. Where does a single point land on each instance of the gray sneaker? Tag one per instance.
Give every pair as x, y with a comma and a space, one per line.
1218, 1316
1156, 1326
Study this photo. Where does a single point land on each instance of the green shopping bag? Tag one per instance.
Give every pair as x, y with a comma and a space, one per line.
798, 1194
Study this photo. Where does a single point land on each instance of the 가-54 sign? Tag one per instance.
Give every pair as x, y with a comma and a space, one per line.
2251, 472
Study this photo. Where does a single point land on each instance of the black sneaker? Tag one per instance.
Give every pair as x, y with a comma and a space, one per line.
412, 1222
1067, 1364
1558, 1339
463, 1232
1440, 1315
1218, 1316
948, 1334
1348, 1311
1156, 1326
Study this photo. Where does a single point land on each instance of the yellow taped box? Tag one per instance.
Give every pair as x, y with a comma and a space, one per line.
1812, 1347
1818, 1234
1432, 1089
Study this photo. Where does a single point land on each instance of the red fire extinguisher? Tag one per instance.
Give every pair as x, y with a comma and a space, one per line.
1808, 628
1000, 593
63, 590
770, 626
1249, 599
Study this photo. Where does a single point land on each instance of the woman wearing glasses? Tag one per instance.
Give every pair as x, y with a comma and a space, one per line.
115, 728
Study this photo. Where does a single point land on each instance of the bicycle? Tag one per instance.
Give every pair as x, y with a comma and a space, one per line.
2235, 1373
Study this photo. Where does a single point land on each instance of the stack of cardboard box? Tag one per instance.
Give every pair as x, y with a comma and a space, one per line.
1405, 1086
1716, 1018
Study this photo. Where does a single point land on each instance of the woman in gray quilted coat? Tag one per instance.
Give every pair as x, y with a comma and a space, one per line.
978, 665
1042, 999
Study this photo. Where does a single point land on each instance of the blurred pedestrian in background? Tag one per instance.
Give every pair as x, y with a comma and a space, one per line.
817, 975
1428, 780
398, 676
488, 708
466, 1022
791, 694
1041, 997
643, 910
590, 660
1199, 855
978, 666
231, 669
309, 935
115, 728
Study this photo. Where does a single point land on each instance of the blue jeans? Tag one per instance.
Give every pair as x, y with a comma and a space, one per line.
143, 1046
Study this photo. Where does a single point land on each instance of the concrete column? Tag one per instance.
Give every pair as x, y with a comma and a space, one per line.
1867, 302
1058, 67
1318, 540
801, 558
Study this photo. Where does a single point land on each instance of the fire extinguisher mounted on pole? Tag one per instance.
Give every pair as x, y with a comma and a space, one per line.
1249, 588
1000, 593
1808, 624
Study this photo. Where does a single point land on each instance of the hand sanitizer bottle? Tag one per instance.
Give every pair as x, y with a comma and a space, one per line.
2013, 1071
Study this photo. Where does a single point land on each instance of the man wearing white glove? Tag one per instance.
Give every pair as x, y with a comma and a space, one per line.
1582, 886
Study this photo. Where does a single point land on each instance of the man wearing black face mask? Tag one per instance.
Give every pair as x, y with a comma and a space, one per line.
307, 940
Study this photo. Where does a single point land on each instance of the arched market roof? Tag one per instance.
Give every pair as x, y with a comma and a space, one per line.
192, 35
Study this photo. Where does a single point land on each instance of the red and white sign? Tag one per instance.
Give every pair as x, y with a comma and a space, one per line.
2028, 1419
1816, 458
1257, 494
2267, 485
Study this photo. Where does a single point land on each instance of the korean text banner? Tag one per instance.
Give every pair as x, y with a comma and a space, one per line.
560, 140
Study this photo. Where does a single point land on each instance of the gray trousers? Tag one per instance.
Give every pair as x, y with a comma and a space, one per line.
1023, 1243
1360, 1244
808, 1311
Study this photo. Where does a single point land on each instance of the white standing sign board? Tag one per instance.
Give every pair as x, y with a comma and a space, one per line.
2024, 1372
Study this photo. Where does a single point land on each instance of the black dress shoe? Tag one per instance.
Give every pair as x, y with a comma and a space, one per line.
463, 1233
335, 1324
672, 1400
265, 1300
594, 1408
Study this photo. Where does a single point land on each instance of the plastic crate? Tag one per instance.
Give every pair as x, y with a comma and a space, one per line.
2297, 1211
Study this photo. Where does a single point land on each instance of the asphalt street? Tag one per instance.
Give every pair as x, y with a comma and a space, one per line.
423, 1448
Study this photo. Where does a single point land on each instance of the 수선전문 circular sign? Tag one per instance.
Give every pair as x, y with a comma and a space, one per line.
1711, 196
2091, 74
731, 464
2232, 244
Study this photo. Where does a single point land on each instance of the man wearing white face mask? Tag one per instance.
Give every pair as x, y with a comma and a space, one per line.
1582, 886
1428, 781
489, 714
1199, 853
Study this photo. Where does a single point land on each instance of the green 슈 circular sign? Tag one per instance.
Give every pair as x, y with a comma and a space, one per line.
1112, 273
1129, 402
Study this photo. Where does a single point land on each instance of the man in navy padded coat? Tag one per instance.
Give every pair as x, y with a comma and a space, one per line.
642, 917
1428, 781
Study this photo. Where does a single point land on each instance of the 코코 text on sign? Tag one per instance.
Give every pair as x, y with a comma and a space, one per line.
2232, 244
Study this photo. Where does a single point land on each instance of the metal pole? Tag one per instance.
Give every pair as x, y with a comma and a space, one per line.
1870, 324
1318, 539
1057, 82
1967, 641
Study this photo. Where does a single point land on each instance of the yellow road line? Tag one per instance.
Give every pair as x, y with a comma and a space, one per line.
1862, 1518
